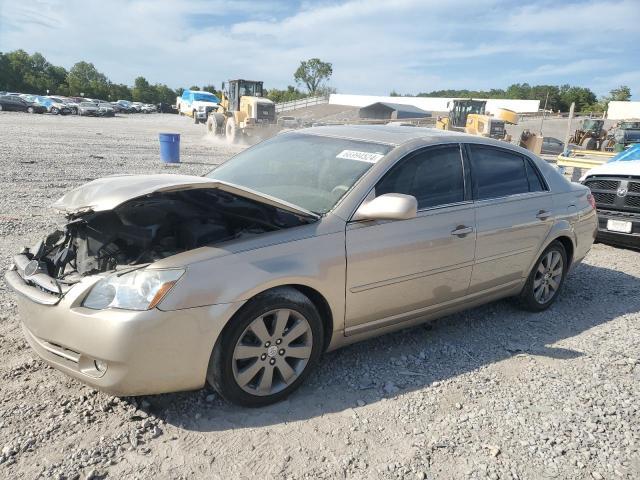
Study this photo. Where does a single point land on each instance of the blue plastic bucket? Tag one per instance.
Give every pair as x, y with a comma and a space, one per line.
169, 147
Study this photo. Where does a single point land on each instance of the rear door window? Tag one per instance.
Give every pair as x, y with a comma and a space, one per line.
497, 173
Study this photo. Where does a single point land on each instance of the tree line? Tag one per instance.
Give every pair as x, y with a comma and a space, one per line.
21, 72
556, 97
24, 73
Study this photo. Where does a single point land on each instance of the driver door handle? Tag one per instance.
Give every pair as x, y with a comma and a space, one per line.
462, 230
543, 214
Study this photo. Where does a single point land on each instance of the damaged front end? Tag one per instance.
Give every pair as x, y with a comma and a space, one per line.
136, 230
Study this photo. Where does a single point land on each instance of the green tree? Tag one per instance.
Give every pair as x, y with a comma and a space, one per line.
291, 93
85, 78
165, 94
142, 91
312, 73
210, 89
620, 94
194, 87
519, 91
583, 97
119, 91
5, 71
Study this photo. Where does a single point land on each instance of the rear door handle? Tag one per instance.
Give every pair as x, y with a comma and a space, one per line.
543, 214
462, 230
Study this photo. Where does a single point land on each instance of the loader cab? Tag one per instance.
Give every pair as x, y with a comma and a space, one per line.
242, 88
460, 109
593, 126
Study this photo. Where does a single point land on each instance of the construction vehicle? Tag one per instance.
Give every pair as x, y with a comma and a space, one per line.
590, 135
470, 116
243, 111
621, 135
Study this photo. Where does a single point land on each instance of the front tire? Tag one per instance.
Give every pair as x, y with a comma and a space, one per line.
268, 349
30, 110
231, 131
546, 279
589, 143
195, 117
54, 111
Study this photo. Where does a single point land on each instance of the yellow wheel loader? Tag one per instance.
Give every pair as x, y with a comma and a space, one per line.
470, 116
243, 112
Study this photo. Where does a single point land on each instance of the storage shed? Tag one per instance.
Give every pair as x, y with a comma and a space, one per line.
391, 111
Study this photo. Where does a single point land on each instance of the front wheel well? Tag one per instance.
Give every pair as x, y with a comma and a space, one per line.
323, 308
318, 300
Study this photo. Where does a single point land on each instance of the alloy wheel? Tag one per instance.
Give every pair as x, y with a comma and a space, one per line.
548, 277
272, 352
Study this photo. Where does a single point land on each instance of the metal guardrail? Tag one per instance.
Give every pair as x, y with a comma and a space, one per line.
584, 158
302, 103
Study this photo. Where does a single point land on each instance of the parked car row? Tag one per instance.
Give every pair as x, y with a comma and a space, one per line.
58, 105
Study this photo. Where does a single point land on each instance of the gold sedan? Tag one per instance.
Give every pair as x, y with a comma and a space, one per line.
304, 243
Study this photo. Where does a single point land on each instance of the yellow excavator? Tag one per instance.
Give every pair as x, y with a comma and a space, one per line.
469, 116
243, 111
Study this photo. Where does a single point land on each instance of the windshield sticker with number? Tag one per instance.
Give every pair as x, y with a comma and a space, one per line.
360, 156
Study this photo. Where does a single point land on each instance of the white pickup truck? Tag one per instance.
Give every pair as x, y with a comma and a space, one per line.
196, 104
615, 186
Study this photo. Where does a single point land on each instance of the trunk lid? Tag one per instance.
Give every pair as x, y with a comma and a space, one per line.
109, 192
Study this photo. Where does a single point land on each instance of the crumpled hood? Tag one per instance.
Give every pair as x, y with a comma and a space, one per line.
109, 192
620, 167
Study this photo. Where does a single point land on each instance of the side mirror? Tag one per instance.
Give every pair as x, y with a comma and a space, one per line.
390, 206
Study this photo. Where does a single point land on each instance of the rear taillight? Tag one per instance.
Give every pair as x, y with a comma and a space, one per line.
592, 201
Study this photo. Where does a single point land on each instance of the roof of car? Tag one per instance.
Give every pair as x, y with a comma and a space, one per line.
390, 134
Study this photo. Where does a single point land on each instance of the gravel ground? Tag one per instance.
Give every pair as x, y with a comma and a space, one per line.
490, 393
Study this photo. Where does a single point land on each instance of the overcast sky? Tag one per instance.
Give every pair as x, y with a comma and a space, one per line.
375, 45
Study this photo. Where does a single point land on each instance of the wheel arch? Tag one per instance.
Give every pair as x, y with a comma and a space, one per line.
569, 248
562, 232
318, 300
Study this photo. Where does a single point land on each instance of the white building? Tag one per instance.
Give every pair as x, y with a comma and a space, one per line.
432, 104
623, 110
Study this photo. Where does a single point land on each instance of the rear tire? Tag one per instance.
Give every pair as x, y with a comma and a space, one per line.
54, 111
546, 279
254, 367
30, 110
195, 117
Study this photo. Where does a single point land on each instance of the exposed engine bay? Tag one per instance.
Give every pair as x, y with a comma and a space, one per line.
149, 228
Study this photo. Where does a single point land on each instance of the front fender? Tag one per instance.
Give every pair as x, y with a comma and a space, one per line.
316, 262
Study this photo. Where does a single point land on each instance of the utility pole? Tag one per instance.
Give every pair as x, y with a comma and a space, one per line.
568, 136
544, 112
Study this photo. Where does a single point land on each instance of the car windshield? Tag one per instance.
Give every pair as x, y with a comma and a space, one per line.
205, 97
630, 125
309, 171
87, 104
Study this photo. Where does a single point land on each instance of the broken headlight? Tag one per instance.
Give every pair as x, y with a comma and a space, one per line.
137, 290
